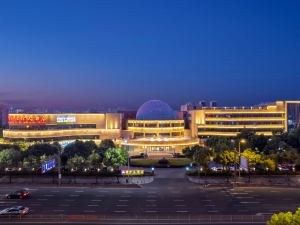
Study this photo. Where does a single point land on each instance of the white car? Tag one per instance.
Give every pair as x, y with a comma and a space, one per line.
17, 210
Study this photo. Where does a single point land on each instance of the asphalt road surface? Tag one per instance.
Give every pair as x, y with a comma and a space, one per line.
170, 195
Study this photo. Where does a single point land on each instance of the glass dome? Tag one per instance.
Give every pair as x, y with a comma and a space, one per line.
155, 110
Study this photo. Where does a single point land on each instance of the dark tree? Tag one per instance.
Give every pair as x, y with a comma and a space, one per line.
78, 148
106, 144
42, 149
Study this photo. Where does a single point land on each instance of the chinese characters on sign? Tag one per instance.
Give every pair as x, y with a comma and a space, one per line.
133, 172
26, 119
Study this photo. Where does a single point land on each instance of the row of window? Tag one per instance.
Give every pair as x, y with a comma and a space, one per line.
154, 125
154, 135
237, 129
243, 122
52, 127
242, 115
58, 138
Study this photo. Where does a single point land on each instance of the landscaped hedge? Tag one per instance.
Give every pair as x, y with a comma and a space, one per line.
174, 162
231, 173
102, 173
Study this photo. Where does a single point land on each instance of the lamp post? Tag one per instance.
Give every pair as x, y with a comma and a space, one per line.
241, 141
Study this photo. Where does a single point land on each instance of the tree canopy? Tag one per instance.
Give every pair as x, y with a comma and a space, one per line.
115, 157
285, 218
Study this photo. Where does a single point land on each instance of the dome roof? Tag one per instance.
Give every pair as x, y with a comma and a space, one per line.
155, 110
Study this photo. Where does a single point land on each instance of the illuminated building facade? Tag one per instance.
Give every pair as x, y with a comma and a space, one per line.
57, 127
229, 121
155, 128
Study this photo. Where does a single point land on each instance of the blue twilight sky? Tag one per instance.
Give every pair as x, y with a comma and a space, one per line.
121, 53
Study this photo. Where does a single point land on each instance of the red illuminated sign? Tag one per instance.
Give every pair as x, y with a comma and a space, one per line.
26, 119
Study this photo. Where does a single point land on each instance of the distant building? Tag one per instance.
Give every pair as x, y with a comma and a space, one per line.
212, 104
197, 105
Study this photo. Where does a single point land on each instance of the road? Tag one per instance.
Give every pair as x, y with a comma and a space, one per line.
170, 195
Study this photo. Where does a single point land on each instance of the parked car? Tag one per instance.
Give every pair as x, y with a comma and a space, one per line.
17, 210
21, 194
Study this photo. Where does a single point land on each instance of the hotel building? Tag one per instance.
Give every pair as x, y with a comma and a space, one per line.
156, 127
277, 117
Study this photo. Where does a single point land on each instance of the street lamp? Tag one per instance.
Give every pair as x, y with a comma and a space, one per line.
241, 141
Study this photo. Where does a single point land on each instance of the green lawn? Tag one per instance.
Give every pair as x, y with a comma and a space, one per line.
180, 162
175, 162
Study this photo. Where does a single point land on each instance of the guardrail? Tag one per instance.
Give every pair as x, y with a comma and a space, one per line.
140, 219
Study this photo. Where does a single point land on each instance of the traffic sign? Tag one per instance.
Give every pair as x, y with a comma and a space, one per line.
48, 165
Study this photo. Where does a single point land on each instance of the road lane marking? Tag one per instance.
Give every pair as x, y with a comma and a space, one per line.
58, 210
89, 211
178, 200
151, 211
249, 202
96, 200
123, 200
151, 196
153, 205
119, 211
243, 210
239, 193
213, 211
260, 214
54, 191
74, 195
31, 189
99, 196
240, 197
151, 200
93, 205
8, 202
79, 191
181, 211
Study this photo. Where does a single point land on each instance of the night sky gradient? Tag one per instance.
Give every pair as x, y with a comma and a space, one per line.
122, 53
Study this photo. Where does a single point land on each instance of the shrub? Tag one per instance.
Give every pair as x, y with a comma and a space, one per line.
285, 218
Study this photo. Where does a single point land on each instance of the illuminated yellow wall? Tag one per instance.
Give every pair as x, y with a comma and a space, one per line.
90, 118
107, 126
113, 120
200, 120
142, 127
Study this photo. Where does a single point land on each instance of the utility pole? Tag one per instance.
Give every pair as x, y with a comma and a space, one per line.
241, 141
235, 166
58, 158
